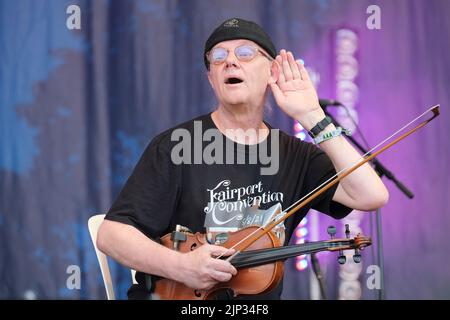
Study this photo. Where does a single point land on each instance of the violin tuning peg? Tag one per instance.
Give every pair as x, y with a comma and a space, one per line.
347, 231
331, 230
357, 256
341, 258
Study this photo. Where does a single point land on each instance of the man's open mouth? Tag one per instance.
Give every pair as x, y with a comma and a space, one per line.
233, 80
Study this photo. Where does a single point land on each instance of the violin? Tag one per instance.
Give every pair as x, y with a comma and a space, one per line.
260, 266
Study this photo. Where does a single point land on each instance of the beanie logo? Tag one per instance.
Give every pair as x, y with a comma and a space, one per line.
232, 23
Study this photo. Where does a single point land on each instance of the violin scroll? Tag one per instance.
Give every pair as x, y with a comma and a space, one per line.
357, 243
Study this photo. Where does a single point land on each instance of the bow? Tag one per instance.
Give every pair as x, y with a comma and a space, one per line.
261, 231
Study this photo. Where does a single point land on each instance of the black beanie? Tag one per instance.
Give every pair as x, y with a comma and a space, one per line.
236, 28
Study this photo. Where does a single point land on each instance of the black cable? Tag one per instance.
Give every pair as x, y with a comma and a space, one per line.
371, 225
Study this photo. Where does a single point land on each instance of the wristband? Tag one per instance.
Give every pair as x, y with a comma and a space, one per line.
318, 128
331, 134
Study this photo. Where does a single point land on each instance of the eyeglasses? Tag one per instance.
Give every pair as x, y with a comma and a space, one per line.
243, 53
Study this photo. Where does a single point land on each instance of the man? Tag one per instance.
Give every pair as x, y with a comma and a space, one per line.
209, 196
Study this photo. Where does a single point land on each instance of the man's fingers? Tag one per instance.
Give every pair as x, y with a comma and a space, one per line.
286, 67
304, 74
219, 264
220, 276
294, 67
223, 266
209, 284
281, 77
217, 251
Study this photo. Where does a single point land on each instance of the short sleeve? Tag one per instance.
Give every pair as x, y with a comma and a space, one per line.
150, 195
320, 169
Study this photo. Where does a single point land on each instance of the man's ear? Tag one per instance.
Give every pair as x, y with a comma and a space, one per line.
274, 72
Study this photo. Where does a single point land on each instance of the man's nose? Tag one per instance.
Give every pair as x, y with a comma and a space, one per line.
231, 59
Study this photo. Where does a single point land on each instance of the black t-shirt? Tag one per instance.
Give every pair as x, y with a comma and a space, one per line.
161, 192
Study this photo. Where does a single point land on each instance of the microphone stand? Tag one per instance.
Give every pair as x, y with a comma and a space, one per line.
381, 170
319, 276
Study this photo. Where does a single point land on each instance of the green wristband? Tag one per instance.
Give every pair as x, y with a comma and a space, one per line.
324, 136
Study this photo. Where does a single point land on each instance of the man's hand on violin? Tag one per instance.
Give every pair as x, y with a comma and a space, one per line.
199, 269
294, 91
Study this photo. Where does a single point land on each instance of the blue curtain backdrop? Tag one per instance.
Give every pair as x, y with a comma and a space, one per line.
77, 108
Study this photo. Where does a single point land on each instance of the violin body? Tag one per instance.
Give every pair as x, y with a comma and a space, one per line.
248, 281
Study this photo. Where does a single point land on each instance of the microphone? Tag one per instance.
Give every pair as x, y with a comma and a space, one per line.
324, 103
